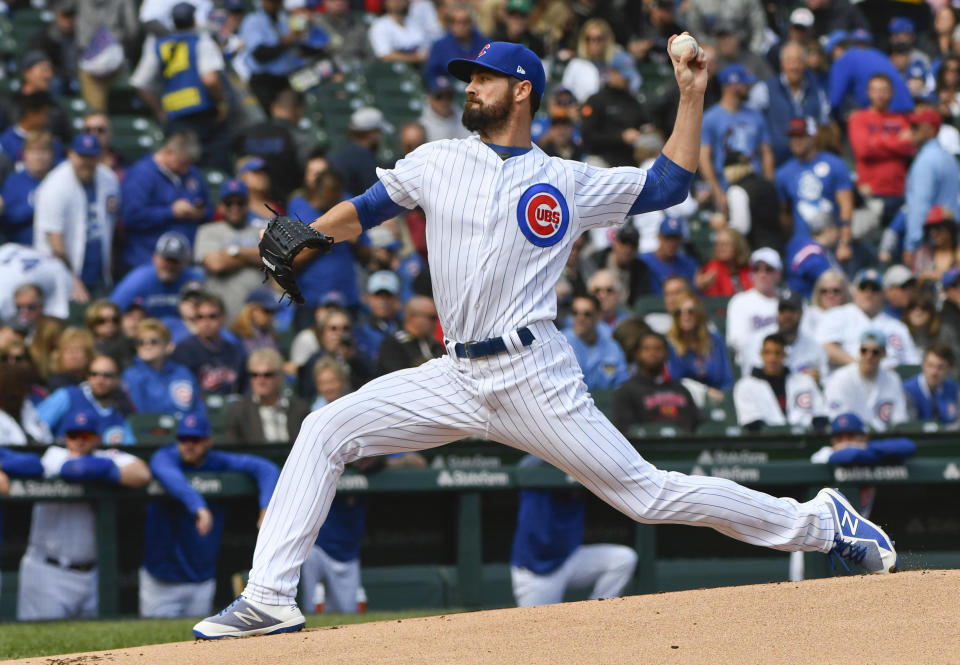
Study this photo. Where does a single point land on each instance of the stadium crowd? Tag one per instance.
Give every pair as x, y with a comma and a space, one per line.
813, 271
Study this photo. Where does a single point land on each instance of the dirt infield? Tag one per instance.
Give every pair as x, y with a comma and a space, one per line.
908, 618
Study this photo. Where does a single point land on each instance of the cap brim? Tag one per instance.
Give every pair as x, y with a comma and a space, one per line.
462, 69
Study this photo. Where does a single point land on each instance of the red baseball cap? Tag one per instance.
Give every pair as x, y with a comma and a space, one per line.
801, 127
925, 116
938, 214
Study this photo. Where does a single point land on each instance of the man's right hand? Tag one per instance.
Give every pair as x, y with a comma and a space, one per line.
204, 521
183, 209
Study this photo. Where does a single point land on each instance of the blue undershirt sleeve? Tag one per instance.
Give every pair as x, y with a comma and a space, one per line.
375, 206
667, 184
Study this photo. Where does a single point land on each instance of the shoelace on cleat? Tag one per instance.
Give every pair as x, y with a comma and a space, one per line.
227, 608
847, 551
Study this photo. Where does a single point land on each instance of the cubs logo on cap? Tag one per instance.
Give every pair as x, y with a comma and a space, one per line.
505, 58
543, 215
848, 422
193, 424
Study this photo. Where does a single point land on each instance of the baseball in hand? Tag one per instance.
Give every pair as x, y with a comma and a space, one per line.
680, 45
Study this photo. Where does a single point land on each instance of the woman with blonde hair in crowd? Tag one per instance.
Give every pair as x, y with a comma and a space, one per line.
698, 353
70, 358
330, 380
728, 270
254, 325
46, 334
830, 290
102, 319
596, 51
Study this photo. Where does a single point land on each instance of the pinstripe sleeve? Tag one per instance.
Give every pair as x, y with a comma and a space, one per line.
604, 196
403, 182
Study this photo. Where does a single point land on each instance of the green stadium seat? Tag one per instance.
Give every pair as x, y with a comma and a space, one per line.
646, 304
907, 371
719, 429
214, 179
153, 428
916, 426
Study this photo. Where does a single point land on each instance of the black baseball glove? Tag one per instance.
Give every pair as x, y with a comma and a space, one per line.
281, 242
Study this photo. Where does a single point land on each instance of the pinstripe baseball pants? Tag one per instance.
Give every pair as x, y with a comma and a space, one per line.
531, 398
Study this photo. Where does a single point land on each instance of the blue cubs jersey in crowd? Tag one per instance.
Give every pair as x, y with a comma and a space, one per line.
173, 549
114, 429
742, 131
660, 271
806, 261
143, 287
18, 205
549, 526
940, 406
183, 90
811, 188
332, 274
343, 530
603, 364
713, 369
146, 195
172, 389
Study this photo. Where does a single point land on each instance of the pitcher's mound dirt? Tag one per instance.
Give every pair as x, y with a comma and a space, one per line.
903, 619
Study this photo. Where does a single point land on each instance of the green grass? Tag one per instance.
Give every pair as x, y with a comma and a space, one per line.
26, 640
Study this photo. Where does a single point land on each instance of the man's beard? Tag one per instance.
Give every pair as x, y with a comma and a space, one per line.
483, 119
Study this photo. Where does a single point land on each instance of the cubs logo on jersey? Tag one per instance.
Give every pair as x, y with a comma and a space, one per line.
885, 411
543, 215
113, 436
804, 400
181, 392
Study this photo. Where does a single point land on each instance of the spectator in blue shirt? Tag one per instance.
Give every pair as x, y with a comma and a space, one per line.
933, 178
34, 117
218, 364
548, 554
729, 126
932, 395
17, 194
462, 40
814, 186
852, 69
269, 50
382, 317
155, 383
668, 260
182, 537
163, 192
101, 392
156, 285
356, 159
793, 93
601, 359
696, 351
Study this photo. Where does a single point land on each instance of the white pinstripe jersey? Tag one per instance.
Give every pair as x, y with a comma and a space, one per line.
499, 231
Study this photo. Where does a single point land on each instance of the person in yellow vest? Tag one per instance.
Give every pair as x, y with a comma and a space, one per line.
179, 78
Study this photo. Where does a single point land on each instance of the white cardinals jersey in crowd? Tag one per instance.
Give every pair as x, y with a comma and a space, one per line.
498, 233
845, 324
19, 265
880, 403
754, 400
748, 312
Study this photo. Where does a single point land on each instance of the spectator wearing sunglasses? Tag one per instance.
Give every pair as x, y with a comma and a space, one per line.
103, 322
101, 393
756, 308
227, 249
19, 423
269, 414
697, 352
155, 383
840, 332
58, 572
182, 541
866, 389
416, 343
218, 364
600, 357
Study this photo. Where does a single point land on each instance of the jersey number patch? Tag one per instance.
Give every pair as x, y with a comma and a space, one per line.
543, 215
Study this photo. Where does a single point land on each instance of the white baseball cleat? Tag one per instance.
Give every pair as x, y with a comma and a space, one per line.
244, 617
857, 539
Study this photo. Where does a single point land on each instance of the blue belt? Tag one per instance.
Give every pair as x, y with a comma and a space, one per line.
489, 347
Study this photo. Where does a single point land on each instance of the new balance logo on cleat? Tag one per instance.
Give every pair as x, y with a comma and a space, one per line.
856, 539
248, 618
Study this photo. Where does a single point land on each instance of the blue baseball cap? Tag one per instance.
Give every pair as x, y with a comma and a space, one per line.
440, 84
835, 39
868, 276
902, 24
950, 278
847, 422
83, 419
193, 424
861, 36
736, 73
505, 58
86, 144
252, 164
234, 187
264, 298
672, 226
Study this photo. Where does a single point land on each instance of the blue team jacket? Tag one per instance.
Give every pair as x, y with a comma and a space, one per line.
921, 398
343, 529
173, 549
114, 429
173, 389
